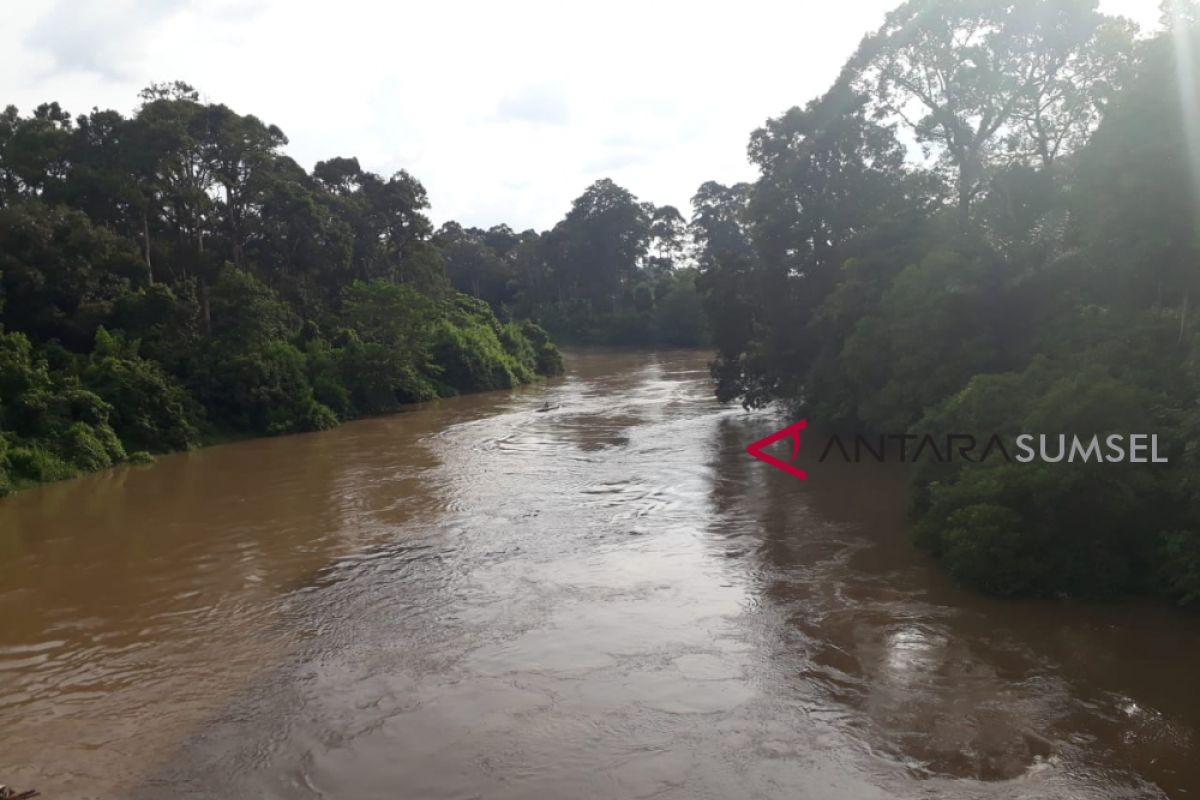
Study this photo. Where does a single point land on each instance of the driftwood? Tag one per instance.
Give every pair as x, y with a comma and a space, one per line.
7, 793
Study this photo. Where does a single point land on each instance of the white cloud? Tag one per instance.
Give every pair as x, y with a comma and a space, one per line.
538, 104
505, 111
96, 38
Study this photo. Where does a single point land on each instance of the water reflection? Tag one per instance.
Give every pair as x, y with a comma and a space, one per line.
946, 683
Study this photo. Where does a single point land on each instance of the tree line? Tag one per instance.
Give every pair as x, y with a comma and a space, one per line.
989, 224
615, 270
173, 277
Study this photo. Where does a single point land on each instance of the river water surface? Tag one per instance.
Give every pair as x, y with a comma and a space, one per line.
608, 599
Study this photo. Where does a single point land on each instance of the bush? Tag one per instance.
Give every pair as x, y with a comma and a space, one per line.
264, 391
314, 417
379, 378
151, 411
547, 358
1072, 529
324, 373
520, 349
19, 371
32, 462
989, 547
91, 448
471, 358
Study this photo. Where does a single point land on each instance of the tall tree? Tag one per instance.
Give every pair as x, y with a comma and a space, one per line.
980, 83
601, 242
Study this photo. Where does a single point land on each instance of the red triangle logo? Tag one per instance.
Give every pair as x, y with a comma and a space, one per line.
756, 449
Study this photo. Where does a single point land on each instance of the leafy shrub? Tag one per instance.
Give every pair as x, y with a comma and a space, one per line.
164, 321
547, 358
379, 378
151, 411
267, 391
1083, 530
471, 358
32, 462
19, 371
91, 448
324, 373
521, 350
989, 547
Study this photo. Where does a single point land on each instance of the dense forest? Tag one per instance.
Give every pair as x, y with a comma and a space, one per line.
172, 278
989, 224
614, 271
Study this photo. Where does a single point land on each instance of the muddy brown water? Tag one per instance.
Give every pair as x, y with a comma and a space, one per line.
608, 599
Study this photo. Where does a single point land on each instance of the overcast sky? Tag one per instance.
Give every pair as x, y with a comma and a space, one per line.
505, 111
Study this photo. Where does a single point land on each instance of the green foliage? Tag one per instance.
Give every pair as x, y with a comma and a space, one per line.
61, 274
325, 376
166, 277
246, 314
151, 411
91, 447
900, 360
379, 378
164, 321
266, 391
1039, 277
1048, 529
600, 276
989, 547
682, 320
547, 360
471, 358
141, 457
34, 463
475, 352
19, 372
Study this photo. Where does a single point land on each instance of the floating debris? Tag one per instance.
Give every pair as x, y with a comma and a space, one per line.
7, 793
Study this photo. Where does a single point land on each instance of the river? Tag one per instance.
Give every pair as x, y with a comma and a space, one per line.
607, 599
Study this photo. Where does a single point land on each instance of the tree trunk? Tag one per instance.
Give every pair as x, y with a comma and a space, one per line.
964, 197
968, 168
205, 309
146, 244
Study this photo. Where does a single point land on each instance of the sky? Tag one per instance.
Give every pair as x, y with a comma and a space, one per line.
505, 111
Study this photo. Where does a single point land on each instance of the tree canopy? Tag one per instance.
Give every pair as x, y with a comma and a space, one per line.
1028, 263
174, 276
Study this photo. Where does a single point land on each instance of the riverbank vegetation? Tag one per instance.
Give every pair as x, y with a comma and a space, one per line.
615, 270
989, 225
173, 277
